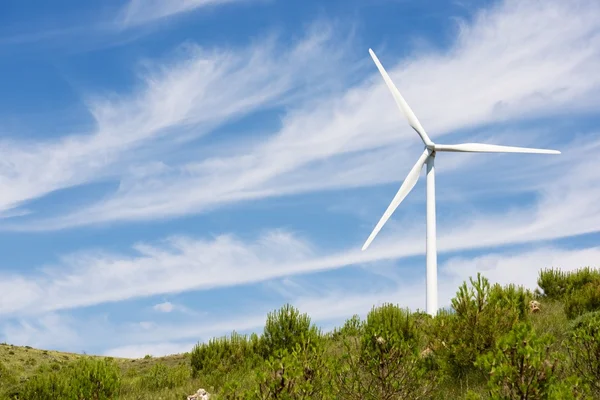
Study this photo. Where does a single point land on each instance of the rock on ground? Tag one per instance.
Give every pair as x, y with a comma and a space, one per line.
534, 306
201, 394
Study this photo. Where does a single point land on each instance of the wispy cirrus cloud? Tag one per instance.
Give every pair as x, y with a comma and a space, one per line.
566, 206
155, 269
88, 26
182, 97
514, 62
138, 12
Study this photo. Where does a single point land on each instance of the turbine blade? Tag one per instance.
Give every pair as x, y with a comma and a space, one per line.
402, 104
407, 185
490, 148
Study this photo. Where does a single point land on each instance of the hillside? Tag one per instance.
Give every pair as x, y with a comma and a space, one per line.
25, 360
497, 342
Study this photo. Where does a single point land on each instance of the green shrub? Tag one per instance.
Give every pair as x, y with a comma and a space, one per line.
85, 378
300, 374
384, 363
95, 378
571, 388
583, 346
520, 367
352, 327
292, 360
223, 354
579, 290
553, 283
471, 395
285, 329
482, 314
46, 385
512, 298
584, 300
556, 284
161, 376
391, 323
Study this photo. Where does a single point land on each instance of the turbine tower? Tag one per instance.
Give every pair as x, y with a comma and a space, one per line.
428, 157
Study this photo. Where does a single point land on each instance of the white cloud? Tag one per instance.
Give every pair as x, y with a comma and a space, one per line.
516, 61
165, 307
180, 98
179, 263
138, 12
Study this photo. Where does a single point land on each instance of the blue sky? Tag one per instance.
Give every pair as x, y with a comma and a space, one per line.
173, 170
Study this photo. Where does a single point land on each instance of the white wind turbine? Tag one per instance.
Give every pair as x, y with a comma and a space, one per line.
428, 157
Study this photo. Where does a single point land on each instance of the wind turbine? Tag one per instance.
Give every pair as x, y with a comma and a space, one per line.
428, 157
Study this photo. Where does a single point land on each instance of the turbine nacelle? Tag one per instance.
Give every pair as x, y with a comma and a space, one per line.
427, 157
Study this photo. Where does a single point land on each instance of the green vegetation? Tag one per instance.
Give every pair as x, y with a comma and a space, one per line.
497, 342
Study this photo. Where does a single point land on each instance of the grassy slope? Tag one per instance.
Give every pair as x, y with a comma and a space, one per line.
25, 360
